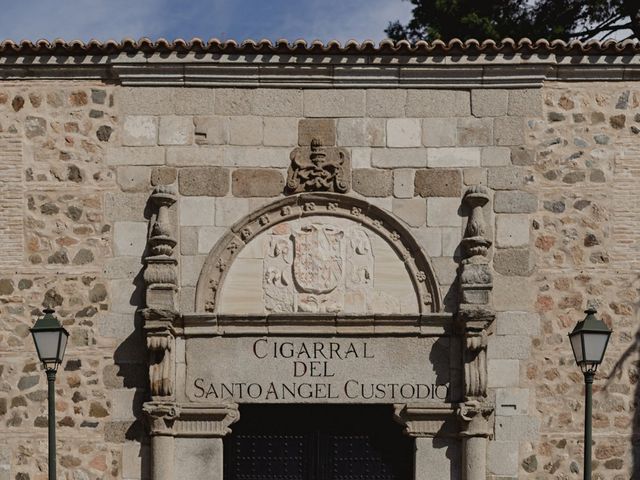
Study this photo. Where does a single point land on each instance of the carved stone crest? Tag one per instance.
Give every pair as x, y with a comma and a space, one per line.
318, 268
318, 264
319, 169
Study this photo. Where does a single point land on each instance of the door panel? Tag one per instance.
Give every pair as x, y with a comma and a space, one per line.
295, 442
268, 457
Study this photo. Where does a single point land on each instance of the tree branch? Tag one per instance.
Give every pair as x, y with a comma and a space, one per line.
632, 9
586, 34
615, 18
603, 25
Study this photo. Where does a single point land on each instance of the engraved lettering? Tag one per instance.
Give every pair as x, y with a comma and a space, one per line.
198, 384
347, 389
255, 347
299, 369
312, 370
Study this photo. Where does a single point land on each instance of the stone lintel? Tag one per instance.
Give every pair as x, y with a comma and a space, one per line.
435, 324
186, 420
426, 420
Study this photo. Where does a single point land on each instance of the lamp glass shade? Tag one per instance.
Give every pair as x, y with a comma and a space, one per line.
594, 343
589, 341
50, 339
576, 345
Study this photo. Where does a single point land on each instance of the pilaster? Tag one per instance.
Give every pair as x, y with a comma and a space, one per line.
475, 313
161, 281
179, 433
433, 427
474, 319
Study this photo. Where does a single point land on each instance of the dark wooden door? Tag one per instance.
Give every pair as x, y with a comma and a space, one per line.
297, 442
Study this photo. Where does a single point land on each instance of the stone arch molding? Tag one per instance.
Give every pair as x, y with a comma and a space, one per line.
221, 257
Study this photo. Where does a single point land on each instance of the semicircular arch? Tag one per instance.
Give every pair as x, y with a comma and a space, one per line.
385, 225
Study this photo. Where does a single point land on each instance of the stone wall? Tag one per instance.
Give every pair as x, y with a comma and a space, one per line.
585, 236
54, 241
412, 153
82, 159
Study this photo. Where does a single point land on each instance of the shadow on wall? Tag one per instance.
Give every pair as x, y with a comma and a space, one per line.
130, 360
631, 355
450, 298
131, 372
446, 372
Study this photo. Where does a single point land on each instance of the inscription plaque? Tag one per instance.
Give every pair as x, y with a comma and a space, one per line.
318, 370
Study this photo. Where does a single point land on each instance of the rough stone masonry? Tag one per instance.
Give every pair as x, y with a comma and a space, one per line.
550, 135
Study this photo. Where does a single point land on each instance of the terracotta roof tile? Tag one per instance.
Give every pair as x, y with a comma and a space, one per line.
438, 47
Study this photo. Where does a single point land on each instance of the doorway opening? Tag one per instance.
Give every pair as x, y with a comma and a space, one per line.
317, 442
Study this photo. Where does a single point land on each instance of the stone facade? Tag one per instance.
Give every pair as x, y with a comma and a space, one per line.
488, 215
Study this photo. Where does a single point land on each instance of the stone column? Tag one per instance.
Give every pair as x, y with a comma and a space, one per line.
161, 419
162, 451
435, 432
475, 430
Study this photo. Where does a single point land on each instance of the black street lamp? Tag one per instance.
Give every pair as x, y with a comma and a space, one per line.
589, 341
51, 340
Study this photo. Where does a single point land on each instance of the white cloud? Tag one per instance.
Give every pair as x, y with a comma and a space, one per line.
345, 19
366, 21
237, 19
81, 19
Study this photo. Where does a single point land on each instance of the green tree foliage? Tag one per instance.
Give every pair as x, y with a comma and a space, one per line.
534, 19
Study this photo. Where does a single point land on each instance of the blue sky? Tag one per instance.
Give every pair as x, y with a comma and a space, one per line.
224, 19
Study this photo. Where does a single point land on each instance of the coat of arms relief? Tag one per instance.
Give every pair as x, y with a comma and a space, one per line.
318, 267
319, 168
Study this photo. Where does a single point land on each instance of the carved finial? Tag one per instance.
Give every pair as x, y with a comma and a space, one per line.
475, 243
475, 274
164, 195
161, 274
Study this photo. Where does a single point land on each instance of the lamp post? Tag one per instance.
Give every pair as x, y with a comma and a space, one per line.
51, 340
589, 341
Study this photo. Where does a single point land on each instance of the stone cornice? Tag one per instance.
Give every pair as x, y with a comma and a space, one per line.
205, 324
324, 70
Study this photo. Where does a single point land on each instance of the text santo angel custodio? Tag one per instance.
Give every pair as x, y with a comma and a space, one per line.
317, 370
